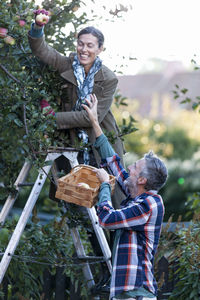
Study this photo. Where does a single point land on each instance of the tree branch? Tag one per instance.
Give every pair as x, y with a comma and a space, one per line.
10, 75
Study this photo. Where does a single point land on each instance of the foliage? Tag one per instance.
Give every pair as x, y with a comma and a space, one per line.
167, 243
26, 133
125, 128
165, 136
187, 256
180, 245
181, 184
41, 248
25, 81
181, 95
193, 204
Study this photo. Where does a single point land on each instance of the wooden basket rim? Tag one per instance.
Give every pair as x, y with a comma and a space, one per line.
77, 168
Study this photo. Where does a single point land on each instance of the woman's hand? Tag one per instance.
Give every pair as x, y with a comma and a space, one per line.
102, 175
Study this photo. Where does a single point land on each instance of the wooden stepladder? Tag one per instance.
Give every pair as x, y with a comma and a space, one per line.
71, 154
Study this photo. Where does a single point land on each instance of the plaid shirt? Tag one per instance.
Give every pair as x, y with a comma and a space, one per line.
139, 221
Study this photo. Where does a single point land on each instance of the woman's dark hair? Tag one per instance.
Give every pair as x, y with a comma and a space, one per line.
94, 31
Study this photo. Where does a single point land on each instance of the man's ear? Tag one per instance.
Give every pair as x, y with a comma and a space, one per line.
142, 180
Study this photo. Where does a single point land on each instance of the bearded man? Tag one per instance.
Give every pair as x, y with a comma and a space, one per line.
137, 223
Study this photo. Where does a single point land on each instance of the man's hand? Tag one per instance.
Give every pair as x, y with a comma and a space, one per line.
41, 17
91, 109
102, 175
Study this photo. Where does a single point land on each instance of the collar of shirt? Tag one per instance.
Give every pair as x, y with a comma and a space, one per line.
141, 196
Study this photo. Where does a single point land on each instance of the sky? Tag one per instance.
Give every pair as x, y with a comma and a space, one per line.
159, 29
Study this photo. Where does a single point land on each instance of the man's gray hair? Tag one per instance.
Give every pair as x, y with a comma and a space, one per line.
154, 171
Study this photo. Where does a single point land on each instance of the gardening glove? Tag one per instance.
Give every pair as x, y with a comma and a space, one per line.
46, 108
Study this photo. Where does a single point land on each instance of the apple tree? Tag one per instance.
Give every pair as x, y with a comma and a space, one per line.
25, 81
25, 131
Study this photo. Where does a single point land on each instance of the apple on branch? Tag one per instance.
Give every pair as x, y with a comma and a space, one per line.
42, 18
21, 23
9, 40
3, 32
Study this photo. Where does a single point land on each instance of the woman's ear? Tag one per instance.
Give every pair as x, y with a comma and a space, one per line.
100, 49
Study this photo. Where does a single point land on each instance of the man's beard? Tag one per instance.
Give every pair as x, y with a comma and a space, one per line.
131, 185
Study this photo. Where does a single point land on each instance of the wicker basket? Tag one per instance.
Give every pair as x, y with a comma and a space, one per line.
69, 191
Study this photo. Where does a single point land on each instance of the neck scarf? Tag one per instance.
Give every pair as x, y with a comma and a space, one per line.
85, 83
84, 89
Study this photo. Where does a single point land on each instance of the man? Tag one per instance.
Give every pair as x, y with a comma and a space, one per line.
137, 223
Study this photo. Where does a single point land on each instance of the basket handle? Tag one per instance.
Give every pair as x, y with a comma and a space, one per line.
76, 168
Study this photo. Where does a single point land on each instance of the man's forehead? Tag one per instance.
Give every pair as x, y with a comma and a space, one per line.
140, 162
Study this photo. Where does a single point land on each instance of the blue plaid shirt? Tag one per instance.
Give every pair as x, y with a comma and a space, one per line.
139, 221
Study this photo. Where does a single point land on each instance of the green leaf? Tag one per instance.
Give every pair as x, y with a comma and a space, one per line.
184, 91
18, 123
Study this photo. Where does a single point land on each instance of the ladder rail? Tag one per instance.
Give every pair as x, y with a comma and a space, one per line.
80, 253
14, 240
100, 236
12, 198
34, 194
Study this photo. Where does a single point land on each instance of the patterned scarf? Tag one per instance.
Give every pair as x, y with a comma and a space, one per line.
84, 89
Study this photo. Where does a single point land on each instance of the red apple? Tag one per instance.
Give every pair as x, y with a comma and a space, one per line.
41, 19
21, 23
3, 32
9, 40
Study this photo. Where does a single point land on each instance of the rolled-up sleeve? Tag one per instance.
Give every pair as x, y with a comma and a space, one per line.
103, 147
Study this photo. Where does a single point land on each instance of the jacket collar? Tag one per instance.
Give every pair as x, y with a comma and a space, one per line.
69, 76
99, 76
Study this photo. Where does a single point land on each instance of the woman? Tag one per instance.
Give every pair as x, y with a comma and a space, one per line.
84, 74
